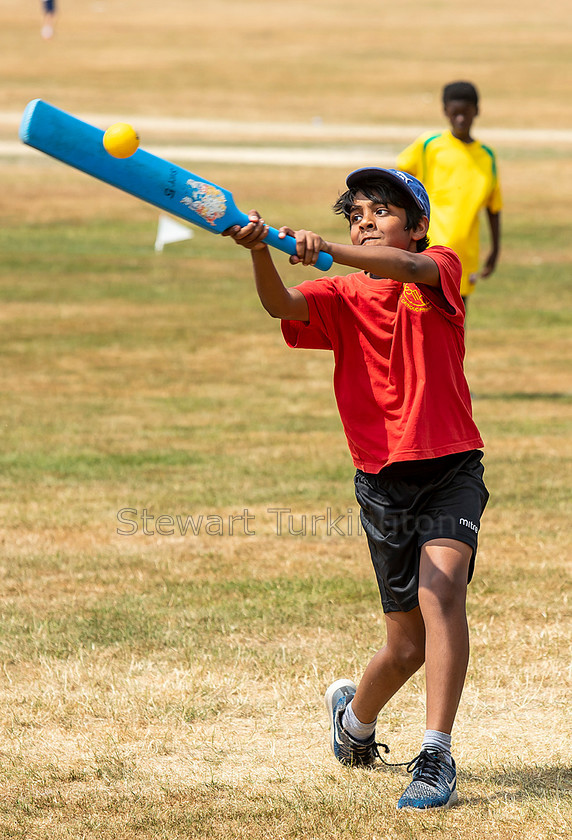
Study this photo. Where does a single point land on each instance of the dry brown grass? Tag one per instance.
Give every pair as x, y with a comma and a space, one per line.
165, 687
256, 59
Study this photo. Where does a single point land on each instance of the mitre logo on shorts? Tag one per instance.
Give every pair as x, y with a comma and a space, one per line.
413, 299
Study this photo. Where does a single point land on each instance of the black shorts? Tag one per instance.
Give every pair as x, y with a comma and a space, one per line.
406, 505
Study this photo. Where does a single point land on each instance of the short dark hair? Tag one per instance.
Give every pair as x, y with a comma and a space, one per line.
381, 191
465, 91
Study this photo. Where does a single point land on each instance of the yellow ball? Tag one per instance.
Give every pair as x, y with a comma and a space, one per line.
121, 140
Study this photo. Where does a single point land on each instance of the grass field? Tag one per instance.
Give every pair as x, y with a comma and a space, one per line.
166, 682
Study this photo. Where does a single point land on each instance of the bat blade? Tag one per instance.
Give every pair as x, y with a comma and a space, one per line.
143, 175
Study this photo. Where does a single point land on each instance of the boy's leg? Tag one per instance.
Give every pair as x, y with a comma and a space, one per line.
436, 632
443, 573
391, 667
353, 712
443, 570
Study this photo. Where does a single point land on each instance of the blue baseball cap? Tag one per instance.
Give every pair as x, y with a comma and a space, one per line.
399, 179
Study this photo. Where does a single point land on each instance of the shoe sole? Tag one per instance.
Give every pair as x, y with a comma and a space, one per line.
328, 702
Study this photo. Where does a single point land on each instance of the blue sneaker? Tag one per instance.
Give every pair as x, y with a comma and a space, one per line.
347, 750
434, 783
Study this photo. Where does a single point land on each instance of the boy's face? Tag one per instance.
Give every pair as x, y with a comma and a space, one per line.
461, 115
374, 224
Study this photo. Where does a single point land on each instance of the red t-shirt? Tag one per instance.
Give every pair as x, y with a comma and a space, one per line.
398, 352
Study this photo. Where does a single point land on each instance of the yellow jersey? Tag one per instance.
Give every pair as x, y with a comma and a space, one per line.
461, 180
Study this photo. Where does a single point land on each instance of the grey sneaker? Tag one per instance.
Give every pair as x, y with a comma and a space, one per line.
347, 750
434, 783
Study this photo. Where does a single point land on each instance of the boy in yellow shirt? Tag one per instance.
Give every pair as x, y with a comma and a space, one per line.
461, 176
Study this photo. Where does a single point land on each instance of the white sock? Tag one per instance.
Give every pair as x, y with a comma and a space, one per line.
433, 739
358, 730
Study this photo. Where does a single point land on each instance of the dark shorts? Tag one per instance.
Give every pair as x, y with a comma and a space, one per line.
406, 505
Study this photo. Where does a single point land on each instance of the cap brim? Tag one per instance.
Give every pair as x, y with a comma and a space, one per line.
375, 173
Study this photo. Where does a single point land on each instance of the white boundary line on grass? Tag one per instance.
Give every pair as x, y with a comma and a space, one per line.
316, 130
263, 155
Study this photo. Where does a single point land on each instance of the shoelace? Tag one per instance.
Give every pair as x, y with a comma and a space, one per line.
427, 766
386, 750
362, 748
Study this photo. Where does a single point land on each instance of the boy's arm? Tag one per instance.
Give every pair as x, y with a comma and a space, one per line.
290, 304
386, 261
381, 261
495, 228
278, 300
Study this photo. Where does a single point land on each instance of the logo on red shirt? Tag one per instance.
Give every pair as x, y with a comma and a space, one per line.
413, 299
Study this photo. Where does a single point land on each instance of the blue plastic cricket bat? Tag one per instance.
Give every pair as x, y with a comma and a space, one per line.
146, 176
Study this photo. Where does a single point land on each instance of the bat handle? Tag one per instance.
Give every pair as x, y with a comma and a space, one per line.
288, 245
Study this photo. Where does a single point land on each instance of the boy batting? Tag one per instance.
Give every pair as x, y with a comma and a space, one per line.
395, 326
